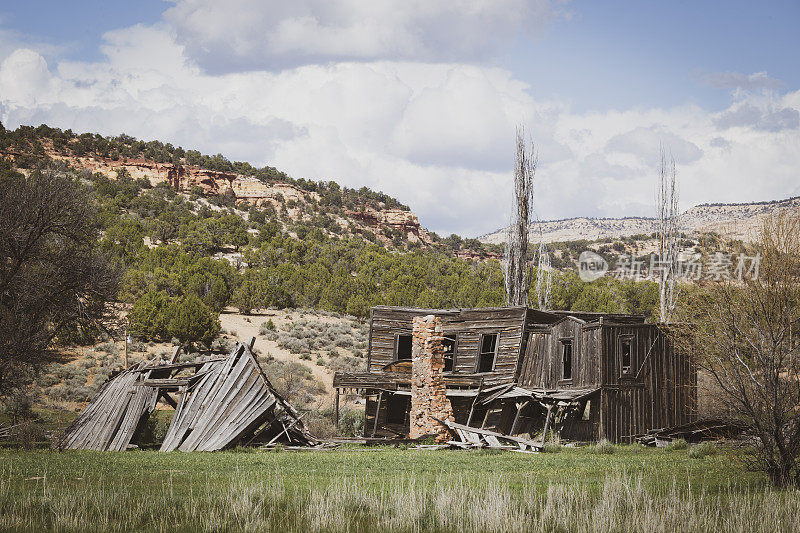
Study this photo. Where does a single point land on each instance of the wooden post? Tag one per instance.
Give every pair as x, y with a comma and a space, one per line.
474, 401
486, 416
377, 413
336, 409
546, 424
126, 345
174, 358
520, 407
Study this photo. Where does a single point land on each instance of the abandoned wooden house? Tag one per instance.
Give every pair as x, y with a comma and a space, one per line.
517, 371
219, 402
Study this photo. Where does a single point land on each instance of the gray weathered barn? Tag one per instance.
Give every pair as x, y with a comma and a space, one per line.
516, 370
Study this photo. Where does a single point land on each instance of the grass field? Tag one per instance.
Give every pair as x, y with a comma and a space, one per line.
368, 489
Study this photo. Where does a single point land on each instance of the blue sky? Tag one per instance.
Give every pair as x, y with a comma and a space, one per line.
651, 53
421, 100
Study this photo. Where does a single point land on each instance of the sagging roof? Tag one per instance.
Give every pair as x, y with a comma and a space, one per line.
533, 315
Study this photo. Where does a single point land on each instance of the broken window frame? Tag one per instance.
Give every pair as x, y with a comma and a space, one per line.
454, 338
624, 340
564, 343
482, 353
397, 347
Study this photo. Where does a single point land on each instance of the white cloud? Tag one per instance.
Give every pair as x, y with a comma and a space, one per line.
439, 136
24, 77
763, 118
647, 142
259, 34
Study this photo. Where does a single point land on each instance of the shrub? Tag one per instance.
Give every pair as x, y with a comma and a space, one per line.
222, 345
28, 434
702, 450
109, 348
552, 447
604, 447
305, 357
344, 341
184, 319
294, 381
266, 327
320, 426
17, 405
347, 364
149, 316
154, 430
677, 444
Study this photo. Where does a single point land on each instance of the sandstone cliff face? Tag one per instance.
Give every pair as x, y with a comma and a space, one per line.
397, 219
246, 188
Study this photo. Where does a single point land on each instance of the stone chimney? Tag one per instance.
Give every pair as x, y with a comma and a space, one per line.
428, 393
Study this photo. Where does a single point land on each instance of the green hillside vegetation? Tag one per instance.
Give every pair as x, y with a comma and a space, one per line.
186, 258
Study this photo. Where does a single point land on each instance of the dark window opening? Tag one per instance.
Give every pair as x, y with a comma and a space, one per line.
625, 350
397, 409
449, 351
403, 351
566, 359
487, 353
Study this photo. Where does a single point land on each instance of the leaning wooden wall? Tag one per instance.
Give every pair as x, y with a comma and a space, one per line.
660, 392
542, 365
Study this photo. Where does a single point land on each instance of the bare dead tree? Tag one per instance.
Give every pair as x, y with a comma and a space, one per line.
744, 335
668, 234
544, 275
517, 241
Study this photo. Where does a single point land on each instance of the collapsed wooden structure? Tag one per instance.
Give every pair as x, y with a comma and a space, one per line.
707, 429
517, 371
219, 402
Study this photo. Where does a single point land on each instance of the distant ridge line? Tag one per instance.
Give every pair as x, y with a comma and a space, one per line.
765, 202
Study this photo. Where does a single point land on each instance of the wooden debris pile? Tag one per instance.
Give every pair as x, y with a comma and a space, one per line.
219, 402
700, 430
470, 437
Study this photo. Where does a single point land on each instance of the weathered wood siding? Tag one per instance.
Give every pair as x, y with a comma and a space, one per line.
468, 324
660, 391
542, 365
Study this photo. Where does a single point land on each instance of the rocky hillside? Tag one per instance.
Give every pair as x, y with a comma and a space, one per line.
573, 229
364, 212
734, 221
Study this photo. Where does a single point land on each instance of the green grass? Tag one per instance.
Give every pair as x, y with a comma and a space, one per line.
364, 489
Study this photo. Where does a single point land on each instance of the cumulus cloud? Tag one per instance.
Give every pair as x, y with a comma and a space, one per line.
737, 80
24, 77
750, 115
438, 136
273, 34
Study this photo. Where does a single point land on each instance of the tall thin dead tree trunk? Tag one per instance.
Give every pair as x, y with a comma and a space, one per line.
544, 274
668, 234
516, 270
